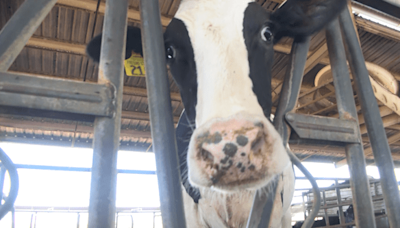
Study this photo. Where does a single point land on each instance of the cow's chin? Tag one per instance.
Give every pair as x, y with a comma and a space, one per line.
250, 166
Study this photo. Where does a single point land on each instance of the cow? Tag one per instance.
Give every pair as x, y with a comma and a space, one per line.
220, 54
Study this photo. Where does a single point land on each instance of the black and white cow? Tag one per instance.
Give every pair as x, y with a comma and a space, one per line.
220, 53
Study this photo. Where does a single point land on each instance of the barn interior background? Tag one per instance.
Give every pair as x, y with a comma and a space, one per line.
57, 50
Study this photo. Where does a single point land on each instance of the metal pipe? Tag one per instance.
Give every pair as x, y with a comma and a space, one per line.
32, 225
78, 220
287, 102
154, 220
116, 220
16, 33
162, 126
107, 130
339, 201
290, 91
2, 178
304, 206
291, 87
79, 169
325, 209
363, 207
261, 210
13, 218
376, 132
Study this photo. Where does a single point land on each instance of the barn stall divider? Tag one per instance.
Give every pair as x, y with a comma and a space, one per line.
103, 100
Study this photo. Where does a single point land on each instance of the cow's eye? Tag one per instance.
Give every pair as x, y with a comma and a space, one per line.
170, 52
266, 34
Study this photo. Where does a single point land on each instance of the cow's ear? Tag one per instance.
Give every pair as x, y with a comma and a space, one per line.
299, 18
133, 43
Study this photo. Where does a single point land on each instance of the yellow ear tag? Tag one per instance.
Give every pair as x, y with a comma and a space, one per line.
134, 66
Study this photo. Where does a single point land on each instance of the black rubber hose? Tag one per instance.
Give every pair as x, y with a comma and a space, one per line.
317, 195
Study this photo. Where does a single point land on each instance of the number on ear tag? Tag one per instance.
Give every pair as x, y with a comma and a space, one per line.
134, 66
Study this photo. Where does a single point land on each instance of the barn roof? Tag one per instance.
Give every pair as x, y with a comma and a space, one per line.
57, 50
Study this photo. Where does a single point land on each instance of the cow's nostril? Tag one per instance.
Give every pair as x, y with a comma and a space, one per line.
216, 138
206, 155
230, 149
242, 140
256, 143
259, 124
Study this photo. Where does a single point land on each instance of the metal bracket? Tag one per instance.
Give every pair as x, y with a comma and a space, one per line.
324, 128
18, 90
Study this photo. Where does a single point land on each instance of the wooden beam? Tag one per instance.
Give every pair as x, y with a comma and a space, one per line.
316, 56
50, 126
141, 116
369, 153
383, 110
392, 139
394, 127
55, 45
313, 59
283, 48
91, 5
389, 120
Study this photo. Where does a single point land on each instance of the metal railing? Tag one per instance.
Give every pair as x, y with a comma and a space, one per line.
120, 212
336, 196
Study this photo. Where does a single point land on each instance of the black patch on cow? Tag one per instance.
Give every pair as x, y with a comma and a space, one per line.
242, 140
182, 65
133, 43
230, 149
239, 165
252, 167
183, 133
299, 19
260, 54
224, 160
217, 138
183, 69
228, 166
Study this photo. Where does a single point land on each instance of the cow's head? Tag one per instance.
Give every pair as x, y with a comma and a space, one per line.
220, 53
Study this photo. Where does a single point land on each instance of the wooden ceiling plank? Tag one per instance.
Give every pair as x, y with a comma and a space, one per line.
91, 5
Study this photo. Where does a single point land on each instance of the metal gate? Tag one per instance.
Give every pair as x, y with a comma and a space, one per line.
103, 100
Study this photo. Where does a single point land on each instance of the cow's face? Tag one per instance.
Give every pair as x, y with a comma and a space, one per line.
220, 53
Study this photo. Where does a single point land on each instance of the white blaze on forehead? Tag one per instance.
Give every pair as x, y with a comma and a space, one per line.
216, 32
